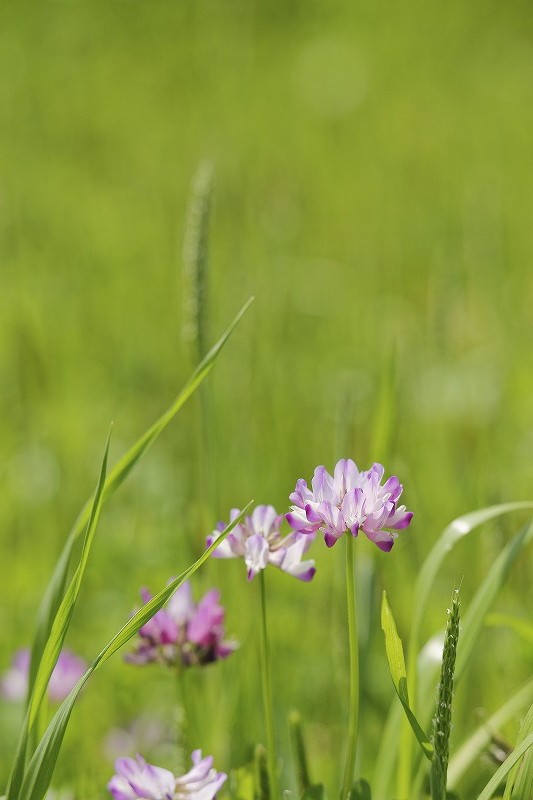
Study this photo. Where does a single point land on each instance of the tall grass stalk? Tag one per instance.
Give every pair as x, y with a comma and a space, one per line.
194, 331
442, 722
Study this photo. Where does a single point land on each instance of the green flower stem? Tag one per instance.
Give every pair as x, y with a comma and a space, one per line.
353, 708
272, 766
183, 713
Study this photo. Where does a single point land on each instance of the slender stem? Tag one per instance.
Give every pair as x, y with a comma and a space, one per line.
353, 708
267, 697
183, 714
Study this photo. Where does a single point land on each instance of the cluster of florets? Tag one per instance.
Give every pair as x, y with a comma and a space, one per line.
183, 634
348, 502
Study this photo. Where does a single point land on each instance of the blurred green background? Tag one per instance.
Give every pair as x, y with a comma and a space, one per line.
373, 191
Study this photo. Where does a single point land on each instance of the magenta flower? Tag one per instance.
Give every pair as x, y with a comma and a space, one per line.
67, 672
137, 780
348, 502
258, 540
183, 634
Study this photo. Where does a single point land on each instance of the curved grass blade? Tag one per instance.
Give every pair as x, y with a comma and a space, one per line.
54, 592
472, 623
506, 767
40, 769
56, 638
453, 533
394, 648
472, 748
483, 599
517, 624
520, 781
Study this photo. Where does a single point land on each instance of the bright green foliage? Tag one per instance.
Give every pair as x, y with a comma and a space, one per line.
442, 722
394, 649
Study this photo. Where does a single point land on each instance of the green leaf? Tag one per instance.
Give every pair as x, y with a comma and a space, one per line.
360, 791
40, 769
477, 742
394, 648
506, 767
56, 638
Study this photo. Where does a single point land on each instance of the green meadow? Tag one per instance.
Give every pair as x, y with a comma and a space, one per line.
372, 191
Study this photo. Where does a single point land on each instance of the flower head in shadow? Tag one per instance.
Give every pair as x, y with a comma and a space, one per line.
183, 634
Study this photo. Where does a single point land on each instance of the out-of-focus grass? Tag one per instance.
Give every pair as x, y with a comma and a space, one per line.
373, 192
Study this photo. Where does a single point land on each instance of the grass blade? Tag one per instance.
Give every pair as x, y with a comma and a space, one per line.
299, 751
520, 781
506, 767
442, 723
40, 769
54, 592
394, 648
472, 748
54, 644
453, 533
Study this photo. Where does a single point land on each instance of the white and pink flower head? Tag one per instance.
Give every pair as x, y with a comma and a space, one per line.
135, 779
258, 540
183, 634
347, 502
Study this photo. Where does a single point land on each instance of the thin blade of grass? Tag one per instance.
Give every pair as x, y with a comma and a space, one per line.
54, 592
56, 638
473, 620
520, 781
473, 747
39, 773
506, 767
395, 658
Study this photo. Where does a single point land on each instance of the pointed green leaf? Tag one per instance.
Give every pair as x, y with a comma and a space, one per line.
54, 644
394, 648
